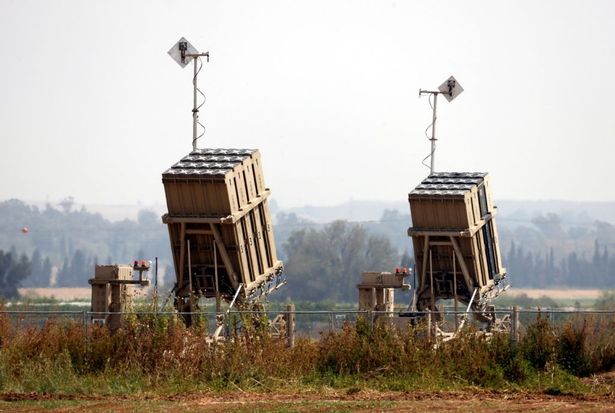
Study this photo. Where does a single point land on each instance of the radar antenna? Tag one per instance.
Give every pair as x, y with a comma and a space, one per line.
183, 53
450, 89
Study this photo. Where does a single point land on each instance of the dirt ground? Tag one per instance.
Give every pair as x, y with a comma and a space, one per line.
353, 400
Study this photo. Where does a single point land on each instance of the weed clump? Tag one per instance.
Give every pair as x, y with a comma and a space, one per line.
162, 353
539, 344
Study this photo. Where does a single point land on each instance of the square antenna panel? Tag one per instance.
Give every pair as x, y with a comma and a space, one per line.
450, 88
176, 52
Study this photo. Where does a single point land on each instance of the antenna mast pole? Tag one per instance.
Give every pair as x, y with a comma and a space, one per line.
450, 89
183, 52
195, 108
433, 135
433, 139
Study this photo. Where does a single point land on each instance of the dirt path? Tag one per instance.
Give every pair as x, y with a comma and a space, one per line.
359, 401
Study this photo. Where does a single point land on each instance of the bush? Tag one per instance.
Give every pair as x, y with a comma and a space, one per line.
154, 352
571, 350
539, 344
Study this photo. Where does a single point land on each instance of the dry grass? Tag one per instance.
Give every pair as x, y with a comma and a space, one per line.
163, 356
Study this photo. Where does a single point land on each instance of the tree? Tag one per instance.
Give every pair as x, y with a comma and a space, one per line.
47, 268
407, 260
12, 273
37, 269
75, 272
327, 263
147, 218
550, 224
67, 204
37, 262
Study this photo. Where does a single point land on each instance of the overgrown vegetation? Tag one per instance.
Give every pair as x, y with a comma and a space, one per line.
162, 355
606, 301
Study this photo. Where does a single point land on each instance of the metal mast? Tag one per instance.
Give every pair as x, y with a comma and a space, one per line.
183, 52
450, 89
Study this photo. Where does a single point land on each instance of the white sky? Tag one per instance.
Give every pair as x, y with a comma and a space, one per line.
92, 106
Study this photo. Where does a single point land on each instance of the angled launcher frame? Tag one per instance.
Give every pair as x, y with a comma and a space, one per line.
220, 226
455, 240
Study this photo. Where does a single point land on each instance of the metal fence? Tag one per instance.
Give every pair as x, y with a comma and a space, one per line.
313, 323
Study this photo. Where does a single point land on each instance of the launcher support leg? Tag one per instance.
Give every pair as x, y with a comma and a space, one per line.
431, 286
185, 307
424, 266
225, 257
462, 264
455, 291
216, 281
182, 257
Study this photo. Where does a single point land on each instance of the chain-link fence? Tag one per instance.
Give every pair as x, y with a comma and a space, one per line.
30, 318
312, 323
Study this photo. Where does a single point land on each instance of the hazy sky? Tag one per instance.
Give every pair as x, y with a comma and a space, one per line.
92, 106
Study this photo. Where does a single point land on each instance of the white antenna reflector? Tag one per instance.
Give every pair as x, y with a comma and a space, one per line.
183, 52
450, 88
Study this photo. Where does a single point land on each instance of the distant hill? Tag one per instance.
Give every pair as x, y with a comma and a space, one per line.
352, 211
509, 210
570, 212
111, 212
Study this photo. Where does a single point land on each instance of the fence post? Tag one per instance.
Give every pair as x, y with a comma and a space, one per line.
290, 325
429, 326
514, 324
84, 319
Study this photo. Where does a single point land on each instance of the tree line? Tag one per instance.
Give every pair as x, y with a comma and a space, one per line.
64, 243
327, 263
543, 270
322, 261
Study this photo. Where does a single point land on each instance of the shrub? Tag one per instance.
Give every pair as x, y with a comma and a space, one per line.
571, 351
539, 343
152, 351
